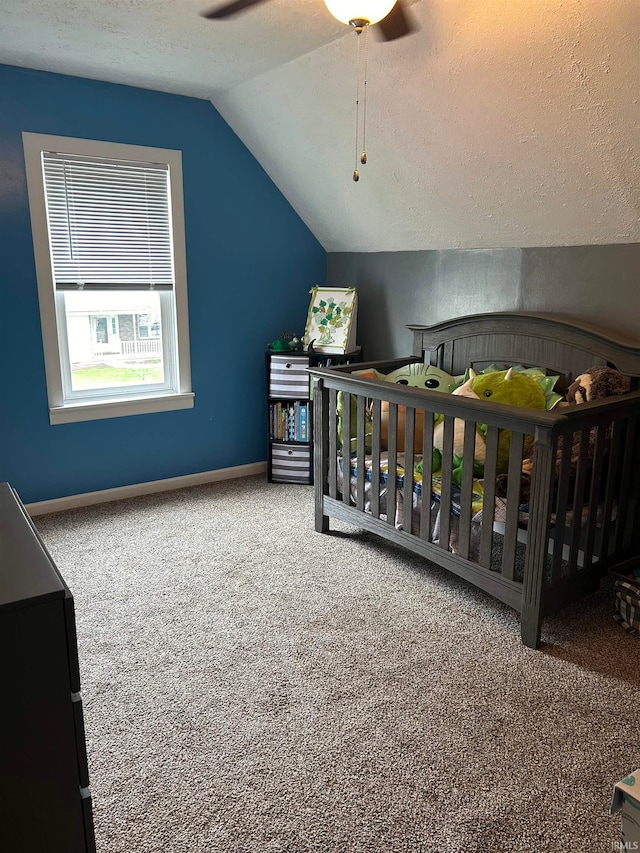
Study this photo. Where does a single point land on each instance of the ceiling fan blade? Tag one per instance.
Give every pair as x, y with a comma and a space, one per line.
229, 9
398, 23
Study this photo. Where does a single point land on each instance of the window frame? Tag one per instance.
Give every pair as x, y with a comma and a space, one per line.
126, 401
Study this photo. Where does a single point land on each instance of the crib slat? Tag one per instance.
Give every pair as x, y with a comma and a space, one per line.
392, 456
489, 496
321, 451
632, 530
579, 497
445, 494
620, 429
409, 432
594, 495
375, 459
537, 541
360, 451
346, 447
333, 444
466, 486
427, 473
625, 501
564, 443
610, 490
621, 485
514, 473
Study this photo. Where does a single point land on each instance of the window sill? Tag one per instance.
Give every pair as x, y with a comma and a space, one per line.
73, 412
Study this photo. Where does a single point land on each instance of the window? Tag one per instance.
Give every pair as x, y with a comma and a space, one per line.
143, 326
108, 234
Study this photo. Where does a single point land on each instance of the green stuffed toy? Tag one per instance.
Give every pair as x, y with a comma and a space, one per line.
509, 387
420, 375
415, 375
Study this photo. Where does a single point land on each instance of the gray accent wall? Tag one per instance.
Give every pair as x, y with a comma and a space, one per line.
596, 284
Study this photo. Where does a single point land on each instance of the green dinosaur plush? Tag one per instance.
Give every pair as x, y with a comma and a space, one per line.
509, 387
547, 383
594, 384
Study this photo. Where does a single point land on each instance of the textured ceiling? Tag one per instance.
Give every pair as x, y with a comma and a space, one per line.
500, 123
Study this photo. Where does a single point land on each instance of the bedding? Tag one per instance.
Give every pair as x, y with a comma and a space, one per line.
536, 556
499, 516
416, 497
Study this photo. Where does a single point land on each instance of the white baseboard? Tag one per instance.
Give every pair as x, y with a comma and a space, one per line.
89, 498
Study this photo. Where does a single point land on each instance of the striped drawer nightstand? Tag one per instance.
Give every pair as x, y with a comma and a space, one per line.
288, 377
289, 415
290, 463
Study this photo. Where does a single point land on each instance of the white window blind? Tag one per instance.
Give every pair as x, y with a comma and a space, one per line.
109, 223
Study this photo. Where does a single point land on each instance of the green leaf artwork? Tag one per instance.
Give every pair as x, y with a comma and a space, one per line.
330, 316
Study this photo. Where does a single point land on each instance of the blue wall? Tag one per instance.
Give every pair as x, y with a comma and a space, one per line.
251, 262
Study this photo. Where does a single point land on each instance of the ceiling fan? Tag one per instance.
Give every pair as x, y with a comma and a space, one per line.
392, 22
390, 16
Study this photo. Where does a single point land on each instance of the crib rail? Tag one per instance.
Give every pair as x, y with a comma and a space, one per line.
533, 551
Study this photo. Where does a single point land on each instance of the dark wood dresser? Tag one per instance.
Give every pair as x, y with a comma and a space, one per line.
45, 803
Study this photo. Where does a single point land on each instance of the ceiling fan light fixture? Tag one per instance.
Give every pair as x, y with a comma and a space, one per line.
365, 11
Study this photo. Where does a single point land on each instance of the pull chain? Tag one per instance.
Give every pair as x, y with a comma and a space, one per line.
361, 152
363, 156
356, 174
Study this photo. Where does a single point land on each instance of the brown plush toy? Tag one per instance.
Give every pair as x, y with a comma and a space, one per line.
594, 384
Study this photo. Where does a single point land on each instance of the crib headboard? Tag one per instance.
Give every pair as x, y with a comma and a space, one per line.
558, 344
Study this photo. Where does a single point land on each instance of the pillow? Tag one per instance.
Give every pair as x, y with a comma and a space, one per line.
369, 373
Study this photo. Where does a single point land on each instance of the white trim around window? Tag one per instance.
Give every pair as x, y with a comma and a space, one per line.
175, 391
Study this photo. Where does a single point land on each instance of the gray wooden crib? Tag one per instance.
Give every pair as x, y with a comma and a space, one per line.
582, 517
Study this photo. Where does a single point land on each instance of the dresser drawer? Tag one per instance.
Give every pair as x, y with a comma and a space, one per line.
288, 377
290, 463
81, 744
87, 815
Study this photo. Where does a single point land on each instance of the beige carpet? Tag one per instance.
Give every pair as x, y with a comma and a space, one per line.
251, 685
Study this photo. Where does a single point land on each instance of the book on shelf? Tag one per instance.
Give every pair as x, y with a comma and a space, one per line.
304, 422
289, 421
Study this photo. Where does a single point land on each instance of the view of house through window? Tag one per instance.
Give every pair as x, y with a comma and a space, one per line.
114, 338
109, 245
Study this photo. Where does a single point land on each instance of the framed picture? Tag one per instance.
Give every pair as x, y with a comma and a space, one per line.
331, 321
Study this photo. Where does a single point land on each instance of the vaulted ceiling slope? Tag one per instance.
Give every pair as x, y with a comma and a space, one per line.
497, 124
